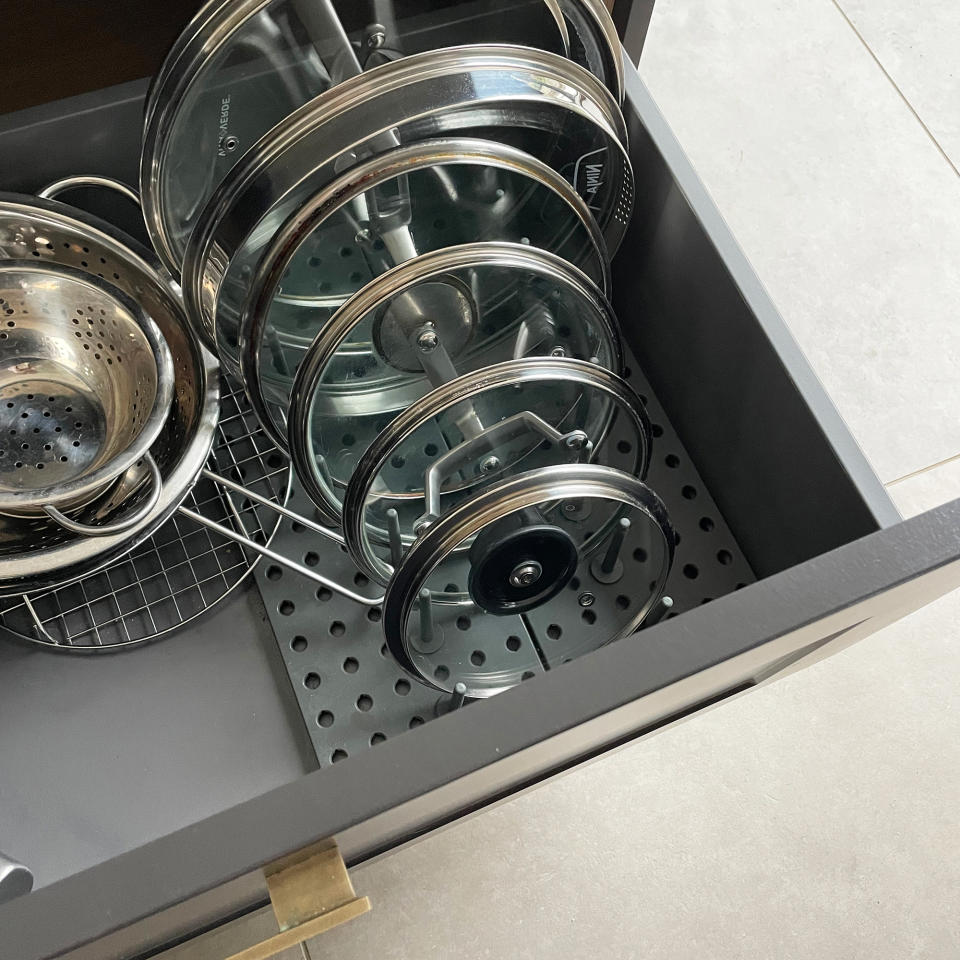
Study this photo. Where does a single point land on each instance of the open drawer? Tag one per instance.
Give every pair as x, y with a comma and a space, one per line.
148, 790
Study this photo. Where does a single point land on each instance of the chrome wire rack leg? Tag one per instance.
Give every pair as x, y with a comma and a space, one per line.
243, 537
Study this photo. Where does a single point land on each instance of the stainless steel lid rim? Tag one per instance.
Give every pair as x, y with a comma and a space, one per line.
304, 220
580, 481
35, 217
92, 484
170, 82
207, 32
209, 258
509, 372
598, 13
395, 281
252, 187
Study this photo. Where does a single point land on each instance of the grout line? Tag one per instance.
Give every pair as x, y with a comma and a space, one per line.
902, 96
923, 470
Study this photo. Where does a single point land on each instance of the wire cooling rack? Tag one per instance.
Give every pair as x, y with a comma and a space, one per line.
183, 569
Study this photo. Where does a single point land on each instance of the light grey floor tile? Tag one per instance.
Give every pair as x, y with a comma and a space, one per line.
917, 45
814, 818
847, 211
927, 490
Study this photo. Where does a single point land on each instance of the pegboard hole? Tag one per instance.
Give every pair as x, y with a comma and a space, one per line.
441, 673
311, 681
299, 644
706, 524
286, 607
377, 738
554, 631
451, 588
724, 558
640, 555
656, 430
624, 447
672, 461
360, 580
513, 644
338, 755
364, 703
374, 614
689, 492
325, 718
691, 571
311, 559
478, 658
274, 572
527, 675
324, 594
402, 687
416, 722
589, 617
337, 629
351, 665
622, 601
463, 623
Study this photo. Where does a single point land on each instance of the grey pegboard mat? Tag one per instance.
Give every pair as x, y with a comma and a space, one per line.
353, 695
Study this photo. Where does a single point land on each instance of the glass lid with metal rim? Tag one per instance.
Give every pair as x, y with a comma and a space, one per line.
594, 42
539, 103
430, 320
476, 430
449, 192
241, 66
458, 613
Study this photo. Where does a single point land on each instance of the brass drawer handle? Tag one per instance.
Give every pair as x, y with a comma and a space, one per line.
310, 892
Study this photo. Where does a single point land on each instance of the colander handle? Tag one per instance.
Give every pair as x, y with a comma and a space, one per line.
121, 526
54, 189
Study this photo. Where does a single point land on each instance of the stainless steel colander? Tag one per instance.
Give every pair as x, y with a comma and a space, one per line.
86, 381
35, 552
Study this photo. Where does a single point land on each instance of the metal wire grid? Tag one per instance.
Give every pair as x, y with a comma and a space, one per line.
183, 569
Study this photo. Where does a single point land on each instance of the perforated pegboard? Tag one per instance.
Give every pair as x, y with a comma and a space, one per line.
351, 692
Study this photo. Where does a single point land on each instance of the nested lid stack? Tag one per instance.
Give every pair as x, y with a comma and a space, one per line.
397, 237
241, 66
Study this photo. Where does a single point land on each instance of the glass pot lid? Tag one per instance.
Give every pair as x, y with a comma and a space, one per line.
470, 306
413, 200
463, 604
474, 431
241, 66
541, 104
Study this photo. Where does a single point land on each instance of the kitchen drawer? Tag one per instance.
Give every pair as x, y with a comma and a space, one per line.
147, 790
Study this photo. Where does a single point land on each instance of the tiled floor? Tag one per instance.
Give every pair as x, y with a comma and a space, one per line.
816, 817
